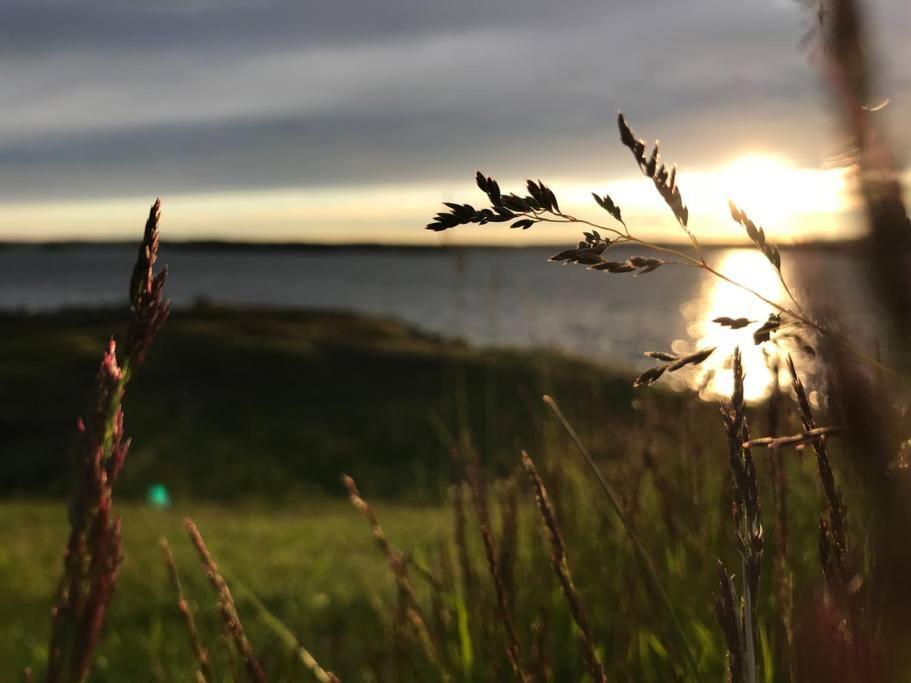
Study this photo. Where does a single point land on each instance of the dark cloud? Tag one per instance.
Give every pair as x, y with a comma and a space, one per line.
113, 98
32, 27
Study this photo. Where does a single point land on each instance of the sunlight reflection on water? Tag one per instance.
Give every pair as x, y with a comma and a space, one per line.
718, 298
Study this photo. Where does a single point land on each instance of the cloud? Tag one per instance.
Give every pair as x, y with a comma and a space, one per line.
108, 99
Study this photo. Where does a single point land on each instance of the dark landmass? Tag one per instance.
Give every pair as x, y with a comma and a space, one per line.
240, 402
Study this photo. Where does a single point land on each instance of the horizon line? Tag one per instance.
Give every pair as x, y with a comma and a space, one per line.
317, 245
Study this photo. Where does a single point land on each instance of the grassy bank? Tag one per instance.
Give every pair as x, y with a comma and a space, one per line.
245, 402
267, 408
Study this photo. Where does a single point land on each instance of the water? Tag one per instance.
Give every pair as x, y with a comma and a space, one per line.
492, 297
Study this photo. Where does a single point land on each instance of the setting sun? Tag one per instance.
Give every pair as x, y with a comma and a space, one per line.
779, 193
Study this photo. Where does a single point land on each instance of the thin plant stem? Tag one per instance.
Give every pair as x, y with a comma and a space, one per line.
284, 634
204, 663
399, 569
226, 605
631, 532
738, 623
478, 489
561, 566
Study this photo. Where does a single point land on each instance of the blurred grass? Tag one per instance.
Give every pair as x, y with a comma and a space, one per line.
236, 402
248, 417
313, 564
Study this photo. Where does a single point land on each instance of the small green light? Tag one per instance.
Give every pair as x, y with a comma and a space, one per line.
158, 496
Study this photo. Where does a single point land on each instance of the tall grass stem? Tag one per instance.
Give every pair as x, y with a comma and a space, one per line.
641, 552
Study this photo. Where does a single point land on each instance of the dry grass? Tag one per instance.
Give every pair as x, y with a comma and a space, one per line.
408, 600
233, 626
204, 671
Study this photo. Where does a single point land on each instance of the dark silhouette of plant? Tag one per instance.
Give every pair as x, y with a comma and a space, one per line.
737, 614
92, 556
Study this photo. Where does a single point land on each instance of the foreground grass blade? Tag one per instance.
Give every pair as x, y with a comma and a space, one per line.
478, 488
282, 632
233, 625
560, 563
204, 671
631, 532
91, 561
400, 572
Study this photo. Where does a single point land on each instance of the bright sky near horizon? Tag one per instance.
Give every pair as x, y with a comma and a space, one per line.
352, 120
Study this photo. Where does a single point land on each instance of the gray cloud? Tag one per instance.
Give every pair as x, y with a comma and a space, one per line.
111, 98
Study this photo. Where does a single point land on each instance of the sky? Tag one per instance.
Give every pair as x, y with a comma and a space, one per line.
351, 120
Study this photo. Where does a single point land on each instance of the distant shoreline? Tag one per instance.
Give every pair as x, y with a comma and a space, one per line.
241, 246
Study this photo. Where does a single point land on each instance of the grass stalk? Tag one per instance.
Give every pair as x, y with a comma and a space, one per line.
282, 632
560, 563
784, 577
477, 486
627, 524
228, 609
398, 565
738, 621
833, 527
93, 551
203, 661
509, 540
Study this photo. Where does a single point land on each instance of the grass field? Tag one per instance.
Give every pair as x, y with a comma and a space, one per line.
241, 402
311, 563
266, 409
250, 417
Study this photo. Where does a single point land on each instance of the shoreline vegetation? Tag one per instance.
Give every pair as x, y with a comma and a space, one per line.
227, 404
277, 402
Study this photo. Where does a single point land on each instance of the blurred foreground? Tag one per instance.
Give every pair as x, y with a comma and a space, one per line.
244, 402
268, 408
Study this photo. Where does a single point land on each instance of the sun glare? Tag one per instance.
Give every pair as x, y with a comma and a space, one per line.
789, 201
719, 298
761, 184
778, 193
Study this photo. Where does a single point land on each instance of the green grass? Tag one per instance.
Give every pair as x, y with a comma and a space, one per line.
313, 564
249, 417
233, 403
